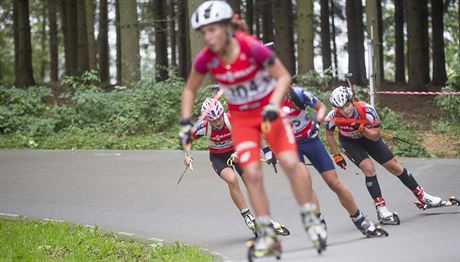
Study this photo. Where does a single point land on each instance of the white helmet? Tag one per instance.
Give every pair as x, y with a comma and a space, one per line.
212, 109
340, 96
210, 12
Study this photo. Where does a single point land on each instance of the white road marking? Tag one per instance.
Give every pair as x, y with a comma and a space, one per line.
125, 234
54, 220
6, 215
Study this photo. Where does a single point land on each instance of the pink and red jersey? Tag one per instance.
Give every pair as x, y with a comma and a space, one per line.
219, 140
246, 82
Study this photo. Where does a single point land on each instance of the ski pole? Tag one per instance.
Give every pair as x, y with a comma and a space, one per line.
187, 153
390, 136
264, 160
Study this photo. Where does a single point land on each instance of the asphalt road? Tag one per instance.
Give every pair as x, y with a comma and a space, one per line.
136, 192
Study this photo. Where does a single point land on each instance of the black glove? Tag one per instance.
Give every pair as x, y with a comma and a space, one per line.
185, 132
314, 130
270, 112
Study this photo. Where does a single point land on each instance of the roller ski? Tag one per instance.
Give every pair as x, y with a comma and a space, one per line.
367, 227
280, 230
315, 229
265, 245
426, 201
383, 215
452, 201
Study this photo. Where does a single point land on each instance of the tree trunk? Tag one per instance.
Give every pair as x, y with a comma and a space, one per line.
129, 33
103, 41
267, 20
161, 40
172, 33
334, 44
250, 15
380, 25
117, 11
284, 33
400, 76
257, 19
23, 48
182, 19
82, 40
439, 60
70, 36
305, 35
235, 4
54, 51
44, 62
325, 35
413, 12
195, 42
425, 41
92, 46
355, 28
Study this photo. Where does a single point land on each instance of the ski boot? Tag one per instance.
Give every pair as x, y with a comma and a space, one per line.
249, 220
383, 215
314, 227
266, 244
280, 230
426, 200
367, 227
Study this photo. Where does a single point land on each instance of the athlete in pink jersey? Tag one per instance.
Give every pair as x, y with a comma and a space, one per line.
254, 83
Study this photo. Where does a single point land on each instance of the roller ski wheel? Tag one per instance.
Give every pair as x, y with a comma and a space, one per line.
391, 220
378, 232
320, 244
276, 252
452, 201
281, 230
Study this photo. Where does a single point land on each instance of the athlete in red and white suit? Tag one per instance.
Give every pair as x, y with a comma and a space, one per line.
255, 83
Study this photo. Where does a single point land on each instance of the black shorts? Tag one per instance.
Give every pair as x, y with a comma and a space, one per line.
360, 149
219, 162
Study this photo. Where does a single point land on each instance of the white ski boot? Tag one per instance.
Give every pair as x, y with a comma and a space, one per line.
428, 200
367, 227
383, 215
249, 220
315, 229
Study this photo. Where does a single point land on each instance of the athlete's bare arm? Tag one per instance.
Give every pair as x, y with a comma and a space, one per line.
283, 81
193, 83
321, 110
371, 133
332, 142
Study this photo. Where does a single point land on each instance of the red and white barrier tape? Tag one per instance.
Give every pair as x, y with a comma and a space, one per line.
416, 93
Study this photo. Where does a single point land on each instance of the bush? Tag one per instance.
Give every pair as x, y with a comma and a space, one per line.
450, 104
25, 110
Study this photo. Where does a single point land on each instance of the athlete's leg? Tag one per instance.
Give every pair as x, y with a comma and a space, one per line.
341, 190
229, 176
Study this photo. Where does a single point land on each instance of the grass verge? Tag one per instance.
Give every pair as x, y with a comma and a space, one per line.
24, 240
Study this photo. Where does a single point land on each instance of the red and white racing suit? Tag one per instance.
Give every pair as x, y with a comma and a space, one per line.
247, 88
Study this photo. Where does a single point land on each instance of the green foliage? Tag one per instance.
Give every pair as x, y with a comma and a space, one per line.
24, 240
88, 117
450, 104
148, 107
314, 80
396, 126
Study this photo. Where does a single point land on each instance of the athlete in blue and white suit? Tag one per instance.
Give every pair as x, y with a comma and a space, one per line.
306, 132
